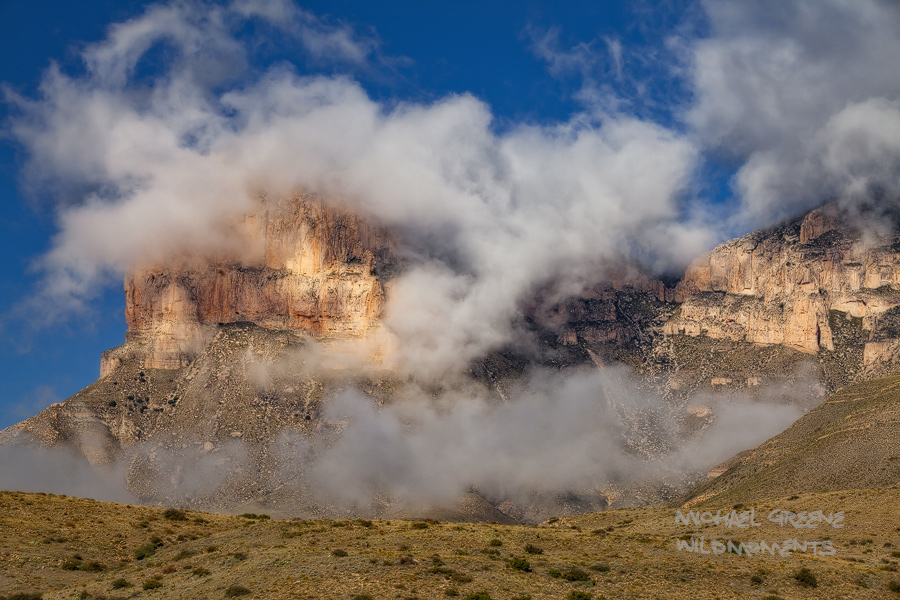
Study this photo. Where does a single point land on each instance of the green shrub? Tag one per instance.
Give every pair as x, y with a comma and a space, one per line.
600, 568
200, 572
145, 551
363, 597
121, 583
77, 564
233, 591
806, 578
173, 514
152, 584
25, 596
419, 525
478, 596
495, 543
578, 595
519, 564
185, 554
893, 586
452, 592
575, 574
339, 552
532, 549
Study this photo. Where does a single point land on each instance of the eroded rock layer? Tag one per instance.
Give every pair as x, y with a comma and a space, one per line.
783, 285
313, 269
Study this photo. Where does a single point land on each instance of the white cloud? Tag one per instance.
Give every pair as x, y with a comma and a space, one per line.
172, 163
777, 84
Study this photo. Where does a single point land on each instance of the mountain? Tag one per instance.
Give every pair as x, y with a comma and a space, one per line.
213, 398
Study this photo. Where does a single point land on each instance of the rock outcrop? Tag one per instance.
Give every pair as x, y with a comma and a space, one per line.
314, 269
780, 286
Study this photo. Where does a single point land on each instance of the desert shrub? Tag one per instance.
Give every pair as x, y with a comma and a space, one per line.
452, 592
239, 555
578, 595
233, 591
24, 596
600, 568
145, 551
363, 597
364, 523
200, 572
482, 595
173, 514
121, 583
255, 516
495, 543
338, 552
756, 580
211, 549
806, 578
185, 554
77, 564
532, 549
419, 525
522, 597
152, 584
893, 586
519, 564
575, 574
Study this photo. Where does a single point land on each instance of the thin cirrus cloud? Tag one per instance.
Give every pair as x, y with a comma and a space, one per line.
799, 95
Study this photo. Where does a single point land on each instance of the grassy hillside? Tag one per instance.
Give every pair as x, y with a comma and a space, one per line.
852, 440
62, 547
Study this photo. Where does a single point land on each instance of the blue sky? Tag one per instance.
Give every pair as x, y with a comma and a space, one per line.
747, 108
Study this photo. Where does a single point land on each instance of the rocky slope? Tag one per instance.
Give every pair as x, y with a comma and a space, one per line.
852, 440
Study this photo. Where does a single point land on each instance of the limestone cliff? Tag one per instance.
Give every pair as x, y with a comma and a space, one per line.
313, 269
781, 285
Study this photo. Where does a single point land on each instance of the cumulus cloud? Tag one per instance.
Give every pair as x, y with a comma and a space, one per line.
803, 97
163, 166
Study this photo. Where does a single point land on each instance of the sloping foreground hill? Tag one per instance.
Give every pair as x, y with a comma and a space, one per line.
852, 440
64, 548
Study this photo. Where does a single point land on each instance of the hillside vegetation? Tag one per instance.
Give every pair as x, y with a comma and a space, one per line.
60, 548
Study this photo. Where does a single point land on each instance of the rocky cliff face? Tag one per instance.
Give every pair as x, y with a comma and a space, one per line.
313, 269
784, 285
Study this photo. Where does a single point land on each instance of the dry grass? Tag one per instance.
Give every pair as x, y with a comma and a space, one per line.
629, 553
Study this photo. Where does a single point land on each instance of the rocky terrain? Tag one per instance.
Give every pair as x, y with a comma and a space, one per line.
228, 363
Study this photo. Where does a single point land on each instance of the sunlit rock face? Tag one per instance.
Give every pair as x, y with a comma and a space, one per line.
304, 267
782, 285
